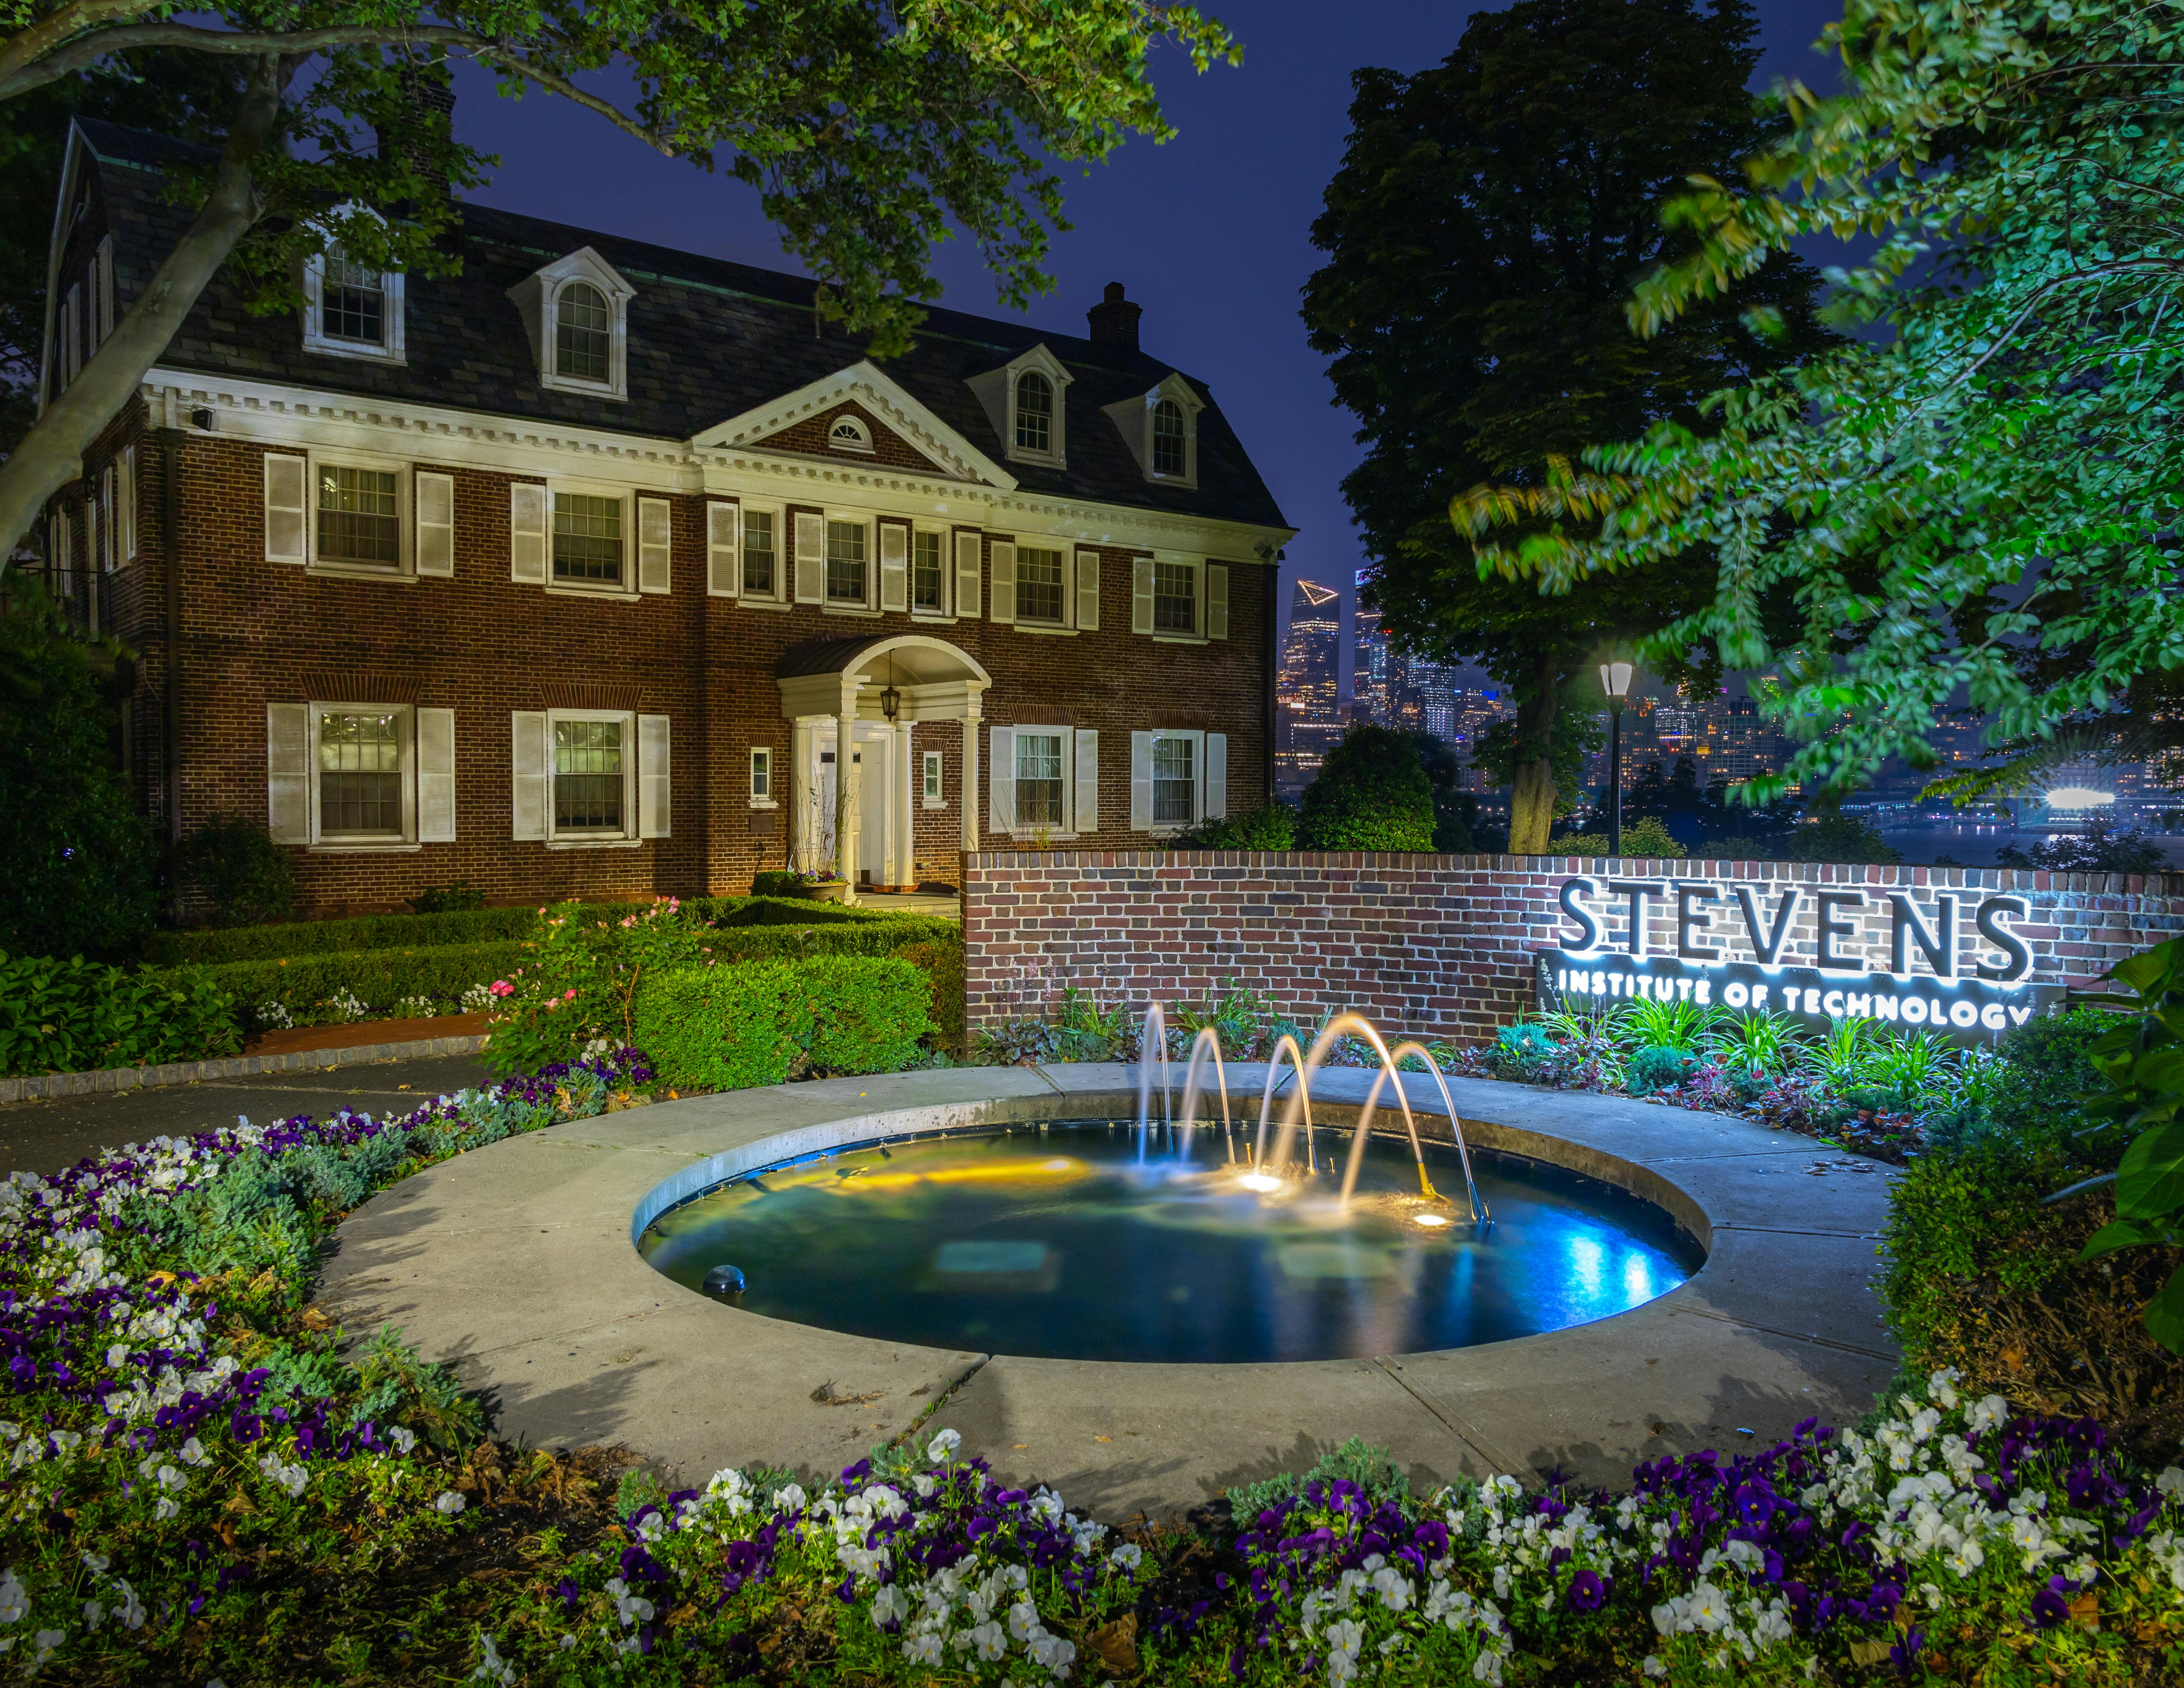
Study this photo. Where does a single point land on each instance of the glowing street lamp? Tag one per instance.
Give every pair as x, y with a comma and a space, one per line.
1615, 681
2079, 797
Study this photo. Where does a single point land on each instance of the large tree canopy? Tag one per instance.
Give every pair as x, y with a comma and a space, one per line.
869, 128
1980, 499
1489, 221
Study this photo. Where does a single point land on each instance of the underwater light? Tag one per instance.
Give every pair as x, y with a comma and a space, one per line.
1430, 1219
1260, 1181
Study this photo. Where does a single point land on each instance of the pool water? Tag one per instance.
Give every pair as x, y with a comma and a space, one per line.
1059, 1242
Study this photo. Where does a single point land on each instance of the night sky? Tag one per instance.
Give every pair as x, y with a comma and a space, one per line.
1210, 232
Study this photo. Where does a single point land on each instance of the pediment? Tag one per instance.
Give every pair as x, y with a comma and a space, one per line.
797, 423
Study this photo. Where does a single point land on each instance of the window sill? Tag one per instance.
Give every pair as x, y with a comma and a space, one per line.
849, 609
763, 803
1037, 460
1033, 835
608, 594
763, 604
391, 847
1180, 638
936, 803
356, 351
935, 618
359, 571
590, 389
594, 844
1042, 628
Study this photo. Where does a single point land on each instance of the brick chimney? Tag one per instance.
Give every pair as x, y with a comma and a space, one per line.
1114, 320
430, 91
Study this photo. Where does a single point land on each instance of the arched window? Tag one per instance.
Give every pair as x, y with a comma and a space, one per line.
848, 434
1034, 412
583, 334
1169, 457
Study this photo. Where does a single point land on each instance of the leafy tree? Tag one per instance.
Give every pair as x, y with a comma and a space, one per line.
1372, 792
1978, 497
189, 98
1488, 222
236, 870
869, 129
81, 863
1834, 835
2102, 848
1456, 830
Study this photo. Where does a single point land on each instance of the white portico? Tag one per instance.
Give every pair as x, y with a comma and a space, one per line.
853, 793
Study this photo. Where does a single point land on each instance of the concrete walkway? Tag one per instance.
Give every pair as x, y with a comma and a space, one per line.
45, 1136
516, 1264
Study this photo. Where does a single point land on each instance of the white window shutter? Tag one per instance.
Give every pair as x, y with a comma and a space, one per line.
128, 510
532, 775
435, 524
655, 545
810, 558
1141, 782
1087, 816
1001, 779
1216, 600
526, 539
436, 776
288, 520
968, 546
895, 568
1141, 595
1216, 777
105, 263
288, 773
1001, 592
724, 571
1087, 591
652, 809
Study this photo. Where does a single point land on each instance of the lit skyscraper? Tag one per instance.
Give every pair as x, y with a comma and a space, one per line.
1310, 720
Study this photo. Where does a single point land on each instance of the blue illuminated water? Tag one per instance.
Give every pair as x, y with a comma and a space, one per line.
1055, 1244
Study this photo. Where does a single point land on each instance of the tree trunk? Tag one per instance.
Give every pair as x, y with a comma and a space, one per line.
51, 455
1532, 795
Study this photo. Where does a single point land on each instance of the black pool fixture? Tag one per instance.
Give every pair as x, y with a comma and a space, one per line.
725, 1283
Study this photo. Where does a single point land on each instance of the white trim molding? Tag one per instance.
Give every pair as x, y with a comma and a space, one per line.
998, 391
1134, 419
538, 297
949, 451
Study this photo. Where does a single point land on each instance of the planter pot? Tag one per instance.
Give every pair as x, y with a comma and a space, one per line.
835, 892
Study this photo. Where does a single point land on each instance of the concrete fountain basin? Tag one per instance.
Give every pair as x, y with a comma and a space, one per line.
517, 1266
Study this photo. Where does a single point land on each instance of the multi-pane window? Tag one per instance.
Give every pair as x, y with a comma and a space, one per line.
583, 333
587, 776
352, 302
1175, 782
935, 796
928, 582
360, 774
587, 539
1038, 779
762, 774
845, 562
1175, 598
1169, 456
1034, 412
359, 517
1038, 586
761, 556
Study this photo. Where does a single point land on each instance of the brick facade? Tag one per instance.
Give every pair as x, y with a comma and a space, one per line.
1445, 945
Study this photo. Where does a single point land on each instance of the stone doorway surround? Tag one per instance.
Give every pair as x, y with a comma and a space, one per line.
869, 693
516, 1265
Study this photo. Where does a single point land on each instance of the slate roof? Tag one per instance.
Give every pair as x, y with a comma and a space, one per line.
708, 340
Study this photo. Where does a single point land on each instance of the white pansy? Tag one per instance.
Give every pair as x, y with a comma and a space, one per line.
1126, 1557
493, 1668
14, 1598
944, 1446
403, 1438
450, 1502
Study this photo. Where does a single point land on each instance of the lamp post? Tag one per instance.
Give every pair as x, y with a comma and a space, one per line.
1615, 681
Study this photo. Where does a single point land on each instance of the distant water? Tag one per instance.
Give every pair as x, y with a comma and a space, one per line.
1974, 845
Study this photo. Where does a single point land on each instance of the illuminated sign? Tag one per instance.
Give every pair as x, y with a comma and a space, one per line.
1860, 954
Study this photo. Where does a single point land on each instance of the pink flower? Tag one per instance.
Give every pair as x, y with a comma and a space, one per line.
570, 997
502, 987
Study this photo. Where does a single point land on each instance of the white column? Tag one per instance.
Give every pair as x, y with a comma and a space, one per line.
803, 765
906, 803
973, 785
846, 814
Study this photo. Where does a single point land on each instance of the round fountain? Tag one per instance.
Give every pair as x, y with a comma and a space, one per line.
1183, 1233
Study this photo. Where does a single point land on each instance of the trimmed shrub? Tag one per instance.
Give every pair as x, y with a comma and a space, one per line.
2047, 1073
364, 984
240, 873
77, 1015
459, 898
1644, 837
1272, 828
1657, 1068
1517, 1051
941, 962
872, 936
723, 1028
780, 881
868, 1015
1372, 793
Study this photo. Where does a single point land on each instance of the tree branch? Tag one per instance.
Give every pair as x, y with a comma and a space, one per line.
48, 34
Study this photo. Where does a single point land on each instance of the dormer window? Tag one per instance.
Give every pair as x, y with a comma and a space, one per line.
583, 334
1169, 437
1026, 401
351, 311
1034, 413
575, 311
1161, 428
849, 434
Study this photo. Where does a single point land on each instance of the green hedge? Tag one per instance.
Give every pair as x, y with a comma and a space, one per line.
213, 946
77, 1015
734, 1027
874, 936
305, 986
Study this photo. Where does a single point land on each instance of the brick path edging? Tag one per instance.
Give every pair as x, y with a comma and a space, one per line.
32, 1089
